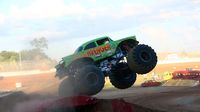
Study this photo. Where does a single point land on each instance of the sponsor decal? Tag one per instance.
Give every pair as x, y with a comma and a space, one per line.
99, 50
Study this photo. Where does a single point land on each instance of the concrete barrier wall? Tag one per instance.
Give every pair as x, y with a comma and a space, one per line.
30, 72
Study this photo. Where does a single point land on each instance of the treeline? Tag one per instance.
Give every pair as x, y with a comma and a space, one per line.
27, 59
6, 56
36, 53
25, 55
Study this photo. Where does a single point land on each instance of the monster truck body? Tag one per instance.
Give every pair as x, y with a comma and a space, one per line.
94, 50
95, 59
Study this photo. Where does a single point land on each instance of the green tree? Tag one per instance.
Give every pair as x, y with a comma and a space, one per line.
39, 43
9, 56
32, 54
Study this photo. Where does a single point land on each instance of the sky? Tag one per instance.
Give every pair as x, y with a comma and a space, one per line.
166, 25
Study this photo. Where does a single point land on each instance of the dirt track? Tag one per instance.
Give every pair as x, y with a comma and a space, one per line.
153, 99
167, 99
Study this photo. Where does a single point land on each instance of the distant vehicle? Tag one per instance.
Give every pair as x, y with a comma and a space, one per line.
167, 76
151, 83
189, 73
120, 60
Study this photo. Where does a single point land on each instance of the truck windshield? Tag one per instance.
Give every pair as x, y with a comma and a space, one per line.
79, 49
103, 41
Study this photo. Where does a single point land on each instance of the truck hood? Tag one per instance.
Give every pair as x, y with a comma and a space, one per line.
130, 37
66, 61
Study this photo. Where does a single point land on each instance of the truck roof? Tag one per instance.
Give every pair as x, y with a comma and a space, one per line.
94, 40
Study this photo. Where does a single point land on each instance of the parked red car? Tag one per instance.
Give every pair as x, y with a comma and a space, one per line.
150, 83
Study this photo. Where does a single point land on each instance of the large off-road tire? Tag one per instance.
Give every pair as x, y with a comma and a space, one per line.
122, 77
142, 59
89, 80
67, 88
78, 64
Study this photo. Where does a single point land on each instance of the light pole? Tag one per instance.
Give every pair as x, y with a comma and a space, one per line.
20, 61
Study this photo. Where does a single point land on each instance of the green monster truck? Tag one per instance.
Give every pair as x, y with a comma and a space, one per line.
102, 57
